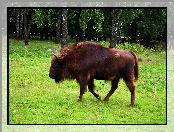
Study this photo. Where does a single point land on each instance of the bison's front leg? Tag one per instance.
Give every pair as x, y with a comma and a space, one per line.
91, 89
82, 90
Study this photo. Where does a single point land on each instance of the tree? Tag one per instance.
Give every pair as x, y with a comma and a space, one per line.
107, 23
43, 20
95, 16
17, 24
64, 42
58, 24
73, 24
146, 24
25, 27
128, 22
89, 24
21, 25
153, 21
115, 21
28, 19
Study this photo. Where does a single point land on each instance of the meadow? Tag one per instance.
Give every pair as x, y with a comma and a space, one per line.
34, 98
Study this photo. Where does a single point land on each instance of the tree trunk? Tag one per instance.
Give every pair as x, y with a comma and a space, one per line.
78, 32
138, 36
57, 39
42, 34
25, 27
21, 25
46, 30
113, 41
17, 25
83, 35
64, 28
100, 37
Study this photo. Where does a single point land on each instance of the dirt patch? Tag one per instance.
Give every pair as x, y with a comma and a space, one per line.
141, 60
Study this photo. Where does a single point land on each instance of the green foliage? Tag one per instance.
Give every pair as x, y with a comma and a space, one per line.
150, 23
153, 22
37, 99
128, 15
72, 20
42, 16
94, 14
146, 21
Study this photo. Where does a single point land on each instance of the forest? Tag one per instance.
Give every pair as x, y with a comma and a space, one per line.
147, 26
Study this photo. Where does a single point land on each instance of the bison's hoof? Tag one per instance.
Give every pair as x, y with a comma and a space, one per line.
106, 99
79, 100
99, 97
132, 105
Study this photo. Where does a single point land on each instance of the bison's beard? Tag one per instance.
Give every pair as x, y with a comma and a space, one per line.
57, 79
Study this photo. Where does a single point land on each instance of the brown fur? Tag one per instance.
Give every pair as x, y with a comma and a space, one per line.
86, 61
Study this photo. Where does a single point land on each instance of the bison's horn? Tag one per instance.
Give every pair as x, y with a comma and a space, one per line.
56, 56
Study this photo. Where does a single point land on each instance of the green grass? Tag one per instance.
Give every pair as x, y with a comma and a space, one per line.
37, 99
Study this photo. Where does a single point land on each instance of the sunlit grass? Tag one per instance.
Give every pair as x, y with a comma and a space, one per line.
37, 99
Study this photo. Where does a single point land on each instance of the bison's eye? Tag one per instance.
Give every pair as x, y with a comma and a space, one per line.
54, 65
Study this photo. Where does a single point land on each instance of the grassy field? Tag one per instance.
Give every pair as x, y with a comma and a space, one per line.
34, 98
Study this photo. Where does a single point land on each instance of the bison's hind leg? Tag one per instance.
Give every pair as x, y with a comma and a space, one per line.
91, 89
131, 86
113, 88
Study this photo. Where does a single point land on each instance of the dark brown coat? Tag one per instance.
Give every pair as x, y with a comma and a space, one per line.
86, 61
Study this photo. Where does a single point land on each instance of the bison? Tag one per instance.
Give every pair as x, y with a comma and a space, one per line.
86, 61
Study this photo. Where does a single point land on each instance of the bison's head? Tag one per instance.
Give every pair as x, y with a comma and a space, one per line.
56, 68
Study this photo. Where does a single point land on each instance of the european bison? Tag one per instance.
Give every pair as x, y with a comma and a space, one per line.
86, 61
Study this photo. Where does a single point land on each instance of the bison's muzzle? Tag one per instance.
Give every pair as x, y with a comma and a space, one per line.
51, 76
55, 78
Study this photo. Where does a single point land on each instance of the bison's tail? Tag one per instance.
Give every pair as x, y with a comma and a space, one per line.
136, 66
